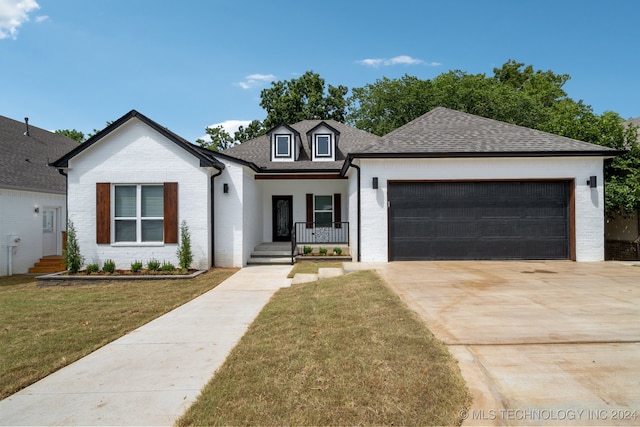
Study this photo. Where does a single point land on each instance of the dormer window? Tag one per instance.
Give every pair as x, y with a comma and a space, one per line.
323, 142
323, 146
283, 146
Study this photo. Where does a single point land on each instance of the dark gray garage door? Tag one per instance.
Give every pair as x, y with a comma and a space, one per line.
478, 220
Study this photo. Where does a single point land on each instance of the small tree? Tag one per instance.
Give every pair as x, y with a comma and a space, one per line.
73, 260
185, 256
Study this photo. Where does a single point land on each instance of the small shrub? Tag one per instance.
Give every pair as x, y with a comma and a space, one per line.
153, 265
92, 268
109, 266
337, 251
307, 250
73, 260
168, 267
323, 251
185, 256
136, 266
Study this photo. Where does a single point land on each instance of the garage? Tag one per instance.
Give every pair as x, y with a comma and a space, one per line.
475, 220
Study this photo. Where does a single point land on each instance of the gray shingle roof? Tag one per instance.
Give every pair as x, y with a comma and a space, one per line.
24, 159
446, 132
257, 151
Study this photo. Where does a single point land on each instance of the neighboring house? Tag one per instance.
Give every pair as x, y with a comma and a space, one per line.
32, 195
448, 185
622, 234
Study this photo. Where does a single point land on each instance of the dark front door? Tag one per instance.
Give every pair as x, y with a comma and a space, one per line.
282, 218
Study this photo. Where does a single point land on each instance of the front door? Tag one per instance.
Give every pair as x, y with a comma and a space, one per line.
49, 232
282, 218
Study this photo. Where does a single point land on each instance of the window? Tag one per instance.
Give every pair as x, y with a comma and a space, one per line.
323, 146
139, 213
283, 145
323, 211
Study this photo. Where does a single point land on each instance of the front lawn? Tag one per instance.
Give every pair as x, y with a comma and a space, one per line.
343, 351
43, 329
310, 267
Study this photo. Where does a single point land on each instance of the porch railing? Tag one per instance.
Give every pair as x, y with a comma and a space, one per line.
310, 233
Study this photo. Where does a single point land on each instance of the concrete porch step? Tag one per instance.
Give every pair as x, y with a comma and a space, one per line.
269, 261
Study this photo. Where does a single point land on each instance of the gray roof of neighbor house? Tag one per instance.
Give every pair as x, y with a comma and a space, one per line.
205, 156
449, 133
24, 159
256, 152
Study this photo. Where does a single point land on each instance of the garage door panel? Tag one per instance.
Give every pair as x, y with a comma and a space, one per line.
479, 220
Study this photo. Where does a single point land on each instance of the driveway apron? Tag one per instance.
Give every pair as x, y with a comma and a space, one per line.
539, 343
153, 374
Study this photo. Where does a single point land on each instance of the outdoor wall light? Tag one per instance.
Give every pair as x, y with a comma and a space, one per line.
375, 183
36, 209
225, 188
593, 181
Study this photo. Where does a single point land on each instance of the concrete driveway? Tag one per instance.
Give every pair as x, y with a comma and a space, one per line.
539, 343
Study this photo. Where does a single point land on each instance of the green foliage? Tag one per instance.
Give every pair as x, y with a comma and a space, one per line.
73, 260
307, 250
337, 251
253, 130
167, 266
323, 251
73, 134
220, 139
153, 265
304, 98
92, 268
109, 266
185, 255
136, 266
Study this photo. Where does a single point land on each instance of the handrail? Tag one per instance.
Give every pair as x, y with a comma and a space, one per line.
315, 233
293, 244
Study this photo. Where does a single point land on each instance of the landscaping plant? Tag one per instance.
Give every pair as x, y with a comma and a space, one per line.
322, 251
109, 266
307, 250
185, 256
153, 265
73, 260
168, 267
92, 268
136, 266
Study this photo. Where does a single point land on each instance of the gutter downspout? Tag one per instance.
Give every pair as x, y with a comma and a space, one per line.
66, 204
212, 221
357, 168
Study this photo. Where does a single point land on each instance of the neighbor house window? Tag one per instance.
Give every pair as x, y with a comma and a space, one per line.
323, 146
323, 211
139, 213
283, 145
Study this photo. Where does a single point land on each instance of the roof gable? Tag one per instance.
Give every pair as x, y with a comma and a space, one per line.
206, 157
24, 160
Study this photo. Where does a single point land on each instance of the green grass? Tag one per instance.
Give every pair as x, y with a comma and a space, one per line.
311, 267
343, 351
43, 329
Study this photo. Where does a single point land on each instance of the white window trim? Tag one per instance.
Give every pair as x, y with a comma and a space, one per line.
275, 146
329, 146
315, 210
138, 218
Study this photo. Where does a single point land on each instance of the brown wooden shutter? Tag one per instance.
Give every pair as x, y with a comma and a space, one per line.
103, 213
309, 210
337, 210
171, 212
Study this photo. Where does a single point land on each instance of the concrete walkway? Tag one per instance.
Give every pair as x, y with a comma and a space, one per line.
152, 375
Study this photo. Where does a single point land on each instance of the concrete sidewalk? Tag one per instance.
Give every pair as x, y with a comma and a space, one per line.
152, 375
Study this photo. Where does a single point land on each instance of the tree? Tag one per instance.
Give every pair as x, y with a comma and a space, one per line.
73, 134
73, 259
303, 98
253, 130
184, 253
220, 139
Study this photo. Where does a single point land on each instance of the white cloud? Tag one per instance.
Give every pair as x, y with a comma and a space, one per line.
41, 18
13, 13
396, 60
230, 126
254, 80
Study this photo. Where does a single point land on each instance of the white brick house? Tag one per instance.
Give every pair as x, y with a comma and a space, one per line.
448, 185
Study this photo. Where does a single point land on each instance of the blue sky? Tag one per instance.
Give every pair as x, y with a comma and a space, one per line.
193, 63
